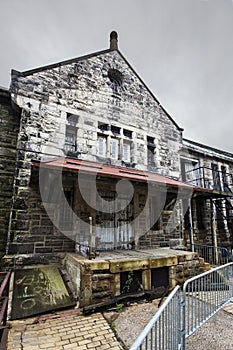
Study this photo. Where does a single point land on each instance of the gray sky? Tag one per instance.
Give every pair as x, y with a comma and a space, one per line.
182, 49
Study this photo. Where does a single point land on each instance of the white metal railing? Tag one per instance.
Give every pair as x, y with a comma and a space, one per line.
185, 311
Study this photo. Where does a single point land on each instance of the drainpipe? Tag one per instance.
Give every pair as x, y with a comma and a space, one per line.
191, 224
90, 239
214, 230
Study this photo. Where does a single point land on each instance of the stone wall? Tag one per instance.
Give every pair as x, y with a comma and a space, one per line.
101, 279
9, 126
84, 88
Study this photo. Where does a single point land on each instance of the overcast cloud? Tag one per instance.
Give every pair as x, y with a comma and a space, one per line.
182, 49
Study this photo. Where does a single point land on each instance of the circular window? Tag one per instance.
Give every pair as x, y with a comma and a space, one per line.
115, 76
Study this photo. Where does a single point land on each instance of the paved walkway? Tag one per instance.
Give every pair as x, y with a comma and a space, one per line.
65, 330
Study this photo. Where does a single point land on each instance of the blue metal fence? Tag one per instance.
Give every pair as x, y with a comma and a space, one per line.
185, 311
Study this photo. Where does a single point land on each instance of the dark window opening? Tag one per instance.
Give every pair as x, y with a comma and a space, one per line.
160, 278
70, 139
72, 119
200, 209
115, 130
116, 77
150, 155
150, 141
131, 281
102, 126
127, 133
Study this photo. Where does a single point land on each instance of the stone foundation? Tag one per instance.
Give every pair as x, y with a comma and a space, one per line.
101, 279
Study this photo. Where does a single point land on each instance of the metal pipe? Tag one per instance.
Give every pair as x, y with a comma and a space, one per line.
90, 238
191, 224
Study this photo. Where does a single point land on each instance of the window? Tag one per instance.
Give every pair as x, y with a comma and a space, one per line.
216, 177
103, 127
72, 119
150, 151
71, 133
150, 156
70, 139
127, 133
101, 146
150, 141
126, 152
114, 148
191, 172
116, 79
115, 130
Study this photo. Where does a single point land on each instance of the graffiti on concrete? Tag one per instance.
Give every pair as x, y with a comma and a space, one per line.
38, 290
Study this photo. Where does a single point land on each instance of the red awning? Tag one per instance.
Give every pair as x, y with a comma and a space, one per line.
103, 170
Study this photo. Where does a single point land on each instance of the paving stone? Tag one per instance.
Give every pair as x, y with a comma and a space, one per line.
81, 332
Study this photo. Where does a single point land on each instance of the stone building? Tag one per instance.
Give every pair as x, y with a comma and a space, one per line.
93, 165
212, 214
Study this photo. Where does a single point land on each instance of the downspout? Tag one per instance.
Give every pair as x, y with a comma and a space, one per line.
191, 224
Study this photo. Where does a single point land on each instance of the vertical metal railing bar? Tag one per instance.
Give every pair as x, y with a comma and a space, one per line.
4, 290
179, 317
163, 330
198, 302
160, 323
208, 292
207, 252
151, 338
173, 321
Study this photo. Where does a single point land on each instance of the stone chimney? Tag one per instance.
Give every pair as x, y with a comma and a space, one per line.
113, 41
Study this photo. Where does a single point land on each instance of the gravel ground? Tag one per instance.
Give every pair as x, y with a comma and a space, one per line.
217, 333
130, 321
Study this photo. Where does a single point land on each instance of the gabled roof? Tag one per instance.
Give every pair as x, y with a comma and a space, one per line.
15, 73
